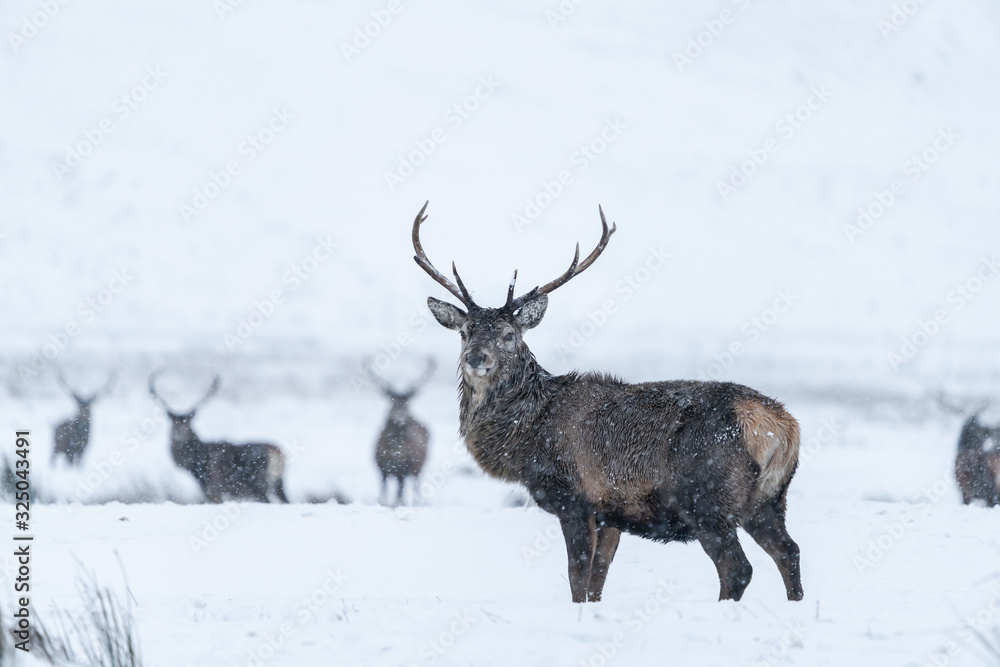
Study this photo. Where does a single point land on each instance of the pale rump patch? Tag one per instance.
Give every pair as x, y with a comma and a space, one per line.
771, 435
275, 465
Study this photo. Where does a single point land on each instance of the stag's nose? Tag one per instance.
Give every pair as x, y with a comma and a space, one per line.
478, 361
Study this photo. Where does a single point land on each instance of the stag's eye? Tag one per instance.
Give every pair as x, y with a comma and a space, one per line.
509, 337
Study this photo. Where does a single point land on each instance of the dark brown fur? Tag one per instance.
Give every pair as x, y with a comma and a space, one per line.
401, 449
73, 435
666, 460
223, 470
663, 460
977, 468
402, 446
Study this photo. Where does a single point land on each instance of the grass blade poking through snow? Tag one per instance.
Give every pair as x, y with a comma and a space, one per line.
990, 643
104, 634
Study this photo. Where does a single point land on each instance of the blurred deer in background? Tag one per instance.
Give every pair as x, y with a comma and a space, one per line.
223, 470
977, 463
73, 435
668, 461
402, 446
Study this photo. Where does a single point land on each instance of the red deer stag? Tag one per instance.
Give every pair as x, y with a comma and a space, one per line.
402, 446
977, 463
223, 470
680, 460
73, 435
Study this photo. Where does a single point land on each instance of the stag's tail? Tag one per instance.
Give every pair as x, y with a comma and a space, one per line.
771, 436
276, 472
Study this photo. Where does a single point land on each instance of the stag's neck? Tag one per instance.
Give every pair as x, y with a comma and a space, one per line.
188, 451
80, 422
499, 419
398, 415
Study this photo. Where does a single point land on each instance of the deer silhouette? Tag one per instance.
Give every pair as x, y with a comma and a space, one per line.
73, 435
402, 445
223, 470
681, 460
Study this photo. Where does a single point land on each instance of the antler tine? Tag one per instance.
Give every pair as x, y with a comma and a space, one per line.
421, 259
426, 375
466, 297
216, 381
106, 387
152, 391
416, 385
510, 291
575, 268
61, 381
373, 375
602, 244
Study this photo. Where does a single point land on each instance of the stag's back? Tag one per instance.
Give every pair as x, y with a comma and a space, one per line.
632, 440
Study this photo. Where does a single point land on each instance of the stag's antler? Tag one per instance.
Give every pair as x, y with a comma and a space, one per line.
387, 389
576, 267
424, 377
159, 399
64, 385
954, 408
106, 387
152, 391
368, 364
459, 291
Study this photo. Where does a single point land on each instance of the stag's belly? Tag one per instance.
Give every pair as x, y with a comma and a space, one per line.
663, 525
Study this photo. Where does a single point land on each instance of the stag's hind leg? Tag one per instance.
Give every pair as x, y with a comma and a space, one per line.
767, 528
279, 490
722, 545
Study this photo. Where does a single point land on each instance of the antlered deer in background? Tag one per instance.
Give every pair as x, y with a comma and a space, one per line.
222, 469
73, 435
977, 463
680, 460
402, 446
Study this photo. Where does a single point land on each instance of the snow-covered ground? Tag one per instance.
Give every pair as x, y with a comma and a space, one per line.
228, 187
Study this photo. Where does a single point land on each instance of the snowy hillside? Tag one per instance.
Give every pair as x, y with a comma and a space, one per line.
805, 202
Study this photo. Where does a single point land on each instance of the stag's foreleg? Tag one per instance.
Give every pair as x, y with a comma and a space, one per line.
399, 490
605, 547
590, 548
383, 493
580, 544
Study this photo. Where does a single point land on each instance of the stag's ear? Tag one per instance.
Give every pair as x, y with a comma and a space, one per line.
447, 315
531, 313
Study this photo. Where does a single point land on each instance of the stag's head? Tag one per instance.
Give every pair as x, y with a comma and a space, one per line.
181, 421
399, 399
84, 401
492, 338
